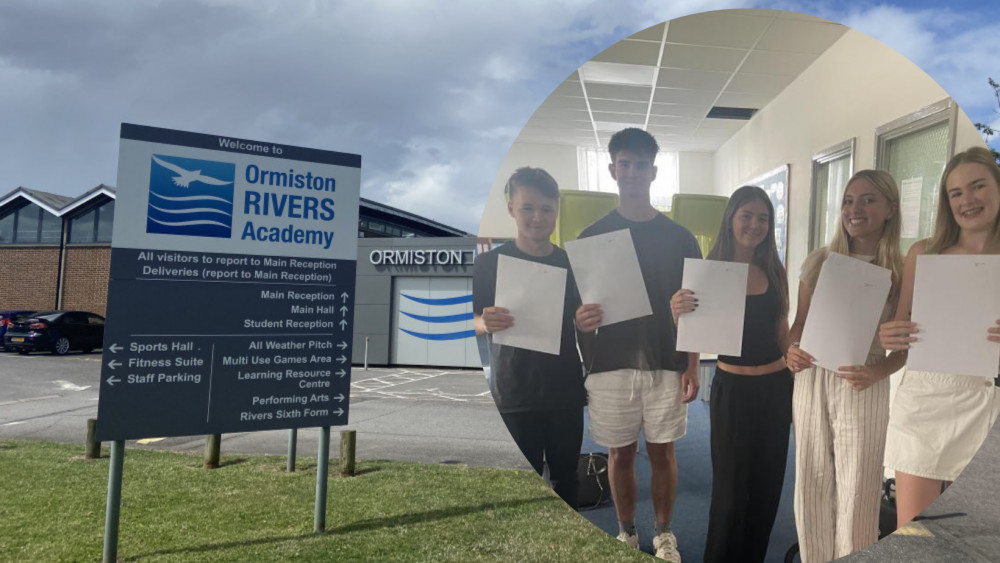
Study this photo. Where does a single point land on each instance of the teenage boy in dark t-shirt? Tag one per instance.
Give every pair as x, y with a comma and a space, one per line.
637, 379
540, 396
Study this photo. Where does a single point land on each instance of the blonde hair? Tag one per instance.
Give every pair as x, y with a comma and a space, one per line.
887, 252
946, 229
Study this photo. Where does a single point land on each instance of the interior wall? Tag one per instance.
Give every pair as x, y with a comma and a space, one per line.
558, 160
856, 86
696, 172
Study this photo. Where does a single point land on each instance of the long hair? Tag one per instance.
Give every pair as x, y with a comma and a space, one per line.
887, 252
946, 229
765, 256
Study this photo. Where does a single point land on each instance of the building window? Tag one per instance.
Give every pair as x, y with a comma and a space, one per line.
595, 177
94, 226
914, 149
831, 169
30, 224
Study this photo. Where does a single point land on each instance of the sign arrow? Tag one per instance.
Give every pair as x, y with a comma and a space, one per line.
114, 348
342, 358
342, 345
341, 373
343, 297
113, 364
340, 398
343, 324
343, 310
112, 380
340, 412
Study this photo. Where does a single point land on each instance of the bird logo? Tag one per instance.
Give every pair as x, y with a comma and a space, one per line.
185, 177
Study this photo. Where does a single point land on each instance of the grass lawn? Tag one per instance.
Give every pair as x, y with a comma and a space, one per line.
52, 509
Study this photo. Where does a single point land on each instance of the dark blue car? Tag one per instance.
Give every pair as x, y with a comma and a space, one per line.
55, 331
6, 317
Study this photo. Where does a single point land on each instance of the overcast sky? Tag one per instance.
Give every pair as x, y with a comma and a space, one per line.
430, 93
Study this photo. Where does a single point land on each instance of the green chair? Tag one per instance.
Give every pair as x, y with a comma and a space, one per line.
578, 209
700, 214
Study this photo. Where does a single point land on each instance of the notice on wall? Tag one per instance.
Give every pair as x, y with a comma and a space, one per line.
230, 304
909, 206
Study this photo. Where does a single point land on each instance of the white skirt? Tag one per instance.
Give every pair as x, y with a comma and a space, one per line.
938, 421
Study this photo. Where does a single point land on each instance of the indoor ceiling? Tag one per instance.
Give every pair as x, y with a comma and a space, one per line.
666, 79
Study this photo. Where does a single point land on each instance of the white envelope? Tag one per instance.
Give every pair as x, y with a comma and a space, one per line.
535, 295
846, 307
607, 273
955, 299
716, 326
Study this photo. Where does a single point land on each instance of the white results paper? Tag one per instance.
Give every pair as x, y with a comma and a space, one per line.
955, 299
607, 273
716, 326
535, 295
846, 307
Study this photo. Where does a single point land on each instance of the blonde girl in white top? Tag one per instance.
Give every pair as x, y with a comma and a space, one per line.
939, 420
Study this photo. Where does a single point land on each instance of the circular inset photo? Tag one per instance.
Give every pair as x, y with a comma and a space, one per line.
712, 260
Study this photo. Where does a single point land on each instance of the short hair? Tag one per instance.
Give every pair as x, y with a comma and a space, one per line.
536, 178
635, 140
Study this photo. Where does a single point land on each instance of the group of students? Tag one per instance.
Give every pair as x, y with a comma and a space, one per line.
637, 380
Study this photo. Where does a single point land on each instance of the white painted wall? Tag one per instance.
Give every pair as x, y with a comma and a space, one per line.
696, 172
856, 86
558, 160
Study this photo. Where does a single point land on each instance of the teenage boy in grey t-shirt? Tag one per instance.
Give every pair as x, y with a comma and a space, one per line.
637, 379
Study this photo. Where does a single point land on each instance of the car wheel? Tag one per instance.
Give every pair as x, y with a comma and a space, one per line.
61, 346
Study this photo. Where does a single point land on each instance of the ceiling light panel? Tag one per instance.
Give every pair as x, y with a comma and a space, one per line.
617, 73
612, 126
630, 118
618, 106
619, 92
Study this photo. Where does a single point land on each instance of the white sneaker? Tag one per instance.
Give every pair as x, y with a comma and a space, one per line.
631, 540
665, 547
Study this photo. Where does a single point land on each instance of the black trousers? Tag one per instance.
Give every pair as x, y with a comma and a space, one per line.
552, 437
751, 418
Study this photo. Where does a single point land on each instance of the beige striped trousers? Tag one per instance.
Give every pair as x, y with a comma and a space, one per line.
839, 450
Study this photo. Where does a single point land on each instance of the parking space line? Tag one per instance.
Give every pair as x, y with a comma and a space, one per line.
29, 399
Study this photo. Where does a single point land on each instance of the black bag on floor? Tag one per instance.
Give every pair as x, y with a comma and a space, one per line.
595, 490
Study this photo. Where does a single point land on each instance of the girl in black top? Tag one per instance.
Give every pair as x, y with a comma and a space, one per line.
751, 403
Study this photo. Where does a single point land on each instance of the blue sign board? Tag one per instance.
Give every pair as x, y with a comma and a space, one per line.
231, 299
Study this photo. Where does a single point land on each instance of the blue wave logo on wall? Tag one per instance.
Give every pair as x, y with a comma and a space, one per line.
440, 319
192, 197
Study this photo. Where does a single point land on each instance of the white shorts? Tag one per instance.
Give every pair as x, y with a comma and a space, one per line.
937, 423
622, 402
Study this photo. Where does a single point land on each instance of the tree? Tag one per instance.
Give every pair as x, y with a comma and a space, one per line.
984, 128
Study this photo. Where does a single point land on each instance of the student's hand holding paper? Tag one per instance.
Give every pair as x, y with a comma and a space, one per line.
861, 377
682, 302
798, 359
497, 319
589, 317
993, 333
897, 335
